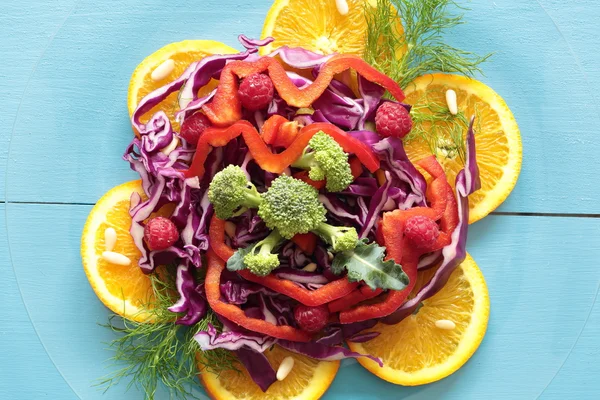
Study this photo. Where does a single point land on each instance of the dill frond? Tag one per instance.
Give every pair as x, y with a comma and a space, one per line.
404, 40
161, 352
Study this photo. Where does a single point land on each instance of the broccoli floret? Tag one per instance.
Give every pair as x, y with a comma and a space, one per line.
231, 190
325, 159
340, 238
291, 206
261, 261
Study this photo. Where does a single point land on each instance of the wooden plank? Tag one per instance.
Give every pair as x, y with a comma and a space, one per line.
24, 33
541, 273
72, 127
27, 370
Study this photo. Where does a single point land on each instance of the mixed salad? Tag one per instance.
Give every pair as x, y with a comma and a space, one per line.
298, 220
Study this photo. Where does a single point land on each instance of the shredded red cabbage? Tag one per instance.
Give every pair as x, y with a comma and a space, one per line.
360, 205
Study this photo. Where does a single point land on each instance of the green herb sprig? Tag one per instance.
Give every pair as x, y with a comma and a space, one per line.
161, 352
406, 41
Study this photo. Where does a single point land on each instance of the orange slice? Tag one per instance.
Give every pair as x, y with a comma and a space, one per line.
497, 137
308, 380
316, 26
183, 54
125, 290
418, 350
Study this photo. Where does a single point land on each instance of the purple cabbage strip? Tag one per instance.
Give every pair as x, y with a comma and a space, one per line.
191, 301
363, 210
339, 209
232, 340
467, 182
371, 94
239, 292
335, 334
335, 104
391, 152
366, 136
341, 89
320, 351
363, 186
297, 275
254, 43
258, 366
300, 58
295, 257
363, 337
375, 206
430, 260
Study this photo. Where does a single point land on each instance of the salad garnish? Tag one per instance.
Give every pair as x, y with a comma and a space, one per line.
277, 207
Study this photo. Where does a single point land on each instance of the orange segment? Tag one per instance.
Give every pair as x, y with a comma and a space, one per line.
497, 136
416, 351
308, 380
183, 54
125, 290
316, 26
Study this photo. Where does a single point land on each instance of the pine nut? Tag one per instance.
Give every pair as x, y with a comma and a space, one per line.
330, 256
451, 101
342, 6
312, 267
170, 147
445, 324
230, 229
116, 258
110, 239
163, 70
285, 368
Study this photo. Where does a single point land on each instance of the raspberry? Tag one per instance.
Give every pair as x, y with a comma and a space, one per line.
311, 319
160, 233
193, 126
392, 119
256, 91
422, 231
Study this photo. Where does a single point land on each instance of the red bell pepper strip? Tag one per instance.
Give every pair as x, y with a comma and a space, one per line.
303, 176
216, 235
226, 105
361, 294
286, 134
306, 241
449, 220
392, 302
271, 127
265, 158
225, 108
235, 313
355, 167
325, 294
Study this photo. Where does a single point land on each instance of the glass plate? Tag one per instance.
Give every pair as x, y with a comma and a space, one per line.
72, 129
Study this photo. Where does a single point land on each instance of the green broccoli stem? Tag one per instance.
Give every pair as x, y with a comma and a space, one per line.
326, 231
252, 198
266, 246
341, 238
306, 161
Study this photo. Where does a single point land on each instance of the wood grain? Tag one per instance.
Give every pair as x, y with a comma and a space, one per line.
63, 82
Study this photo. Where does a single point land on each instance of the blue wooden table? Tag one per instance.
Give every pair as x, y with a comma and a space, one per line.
64, 69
